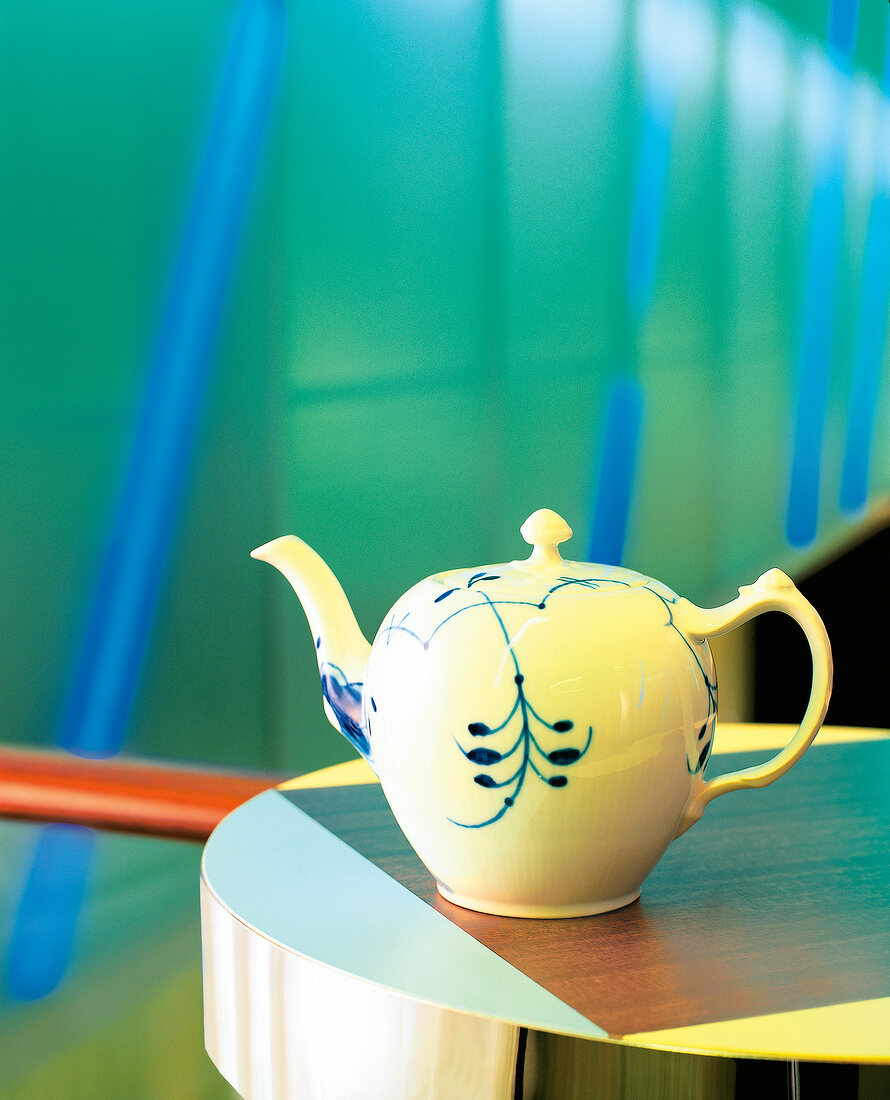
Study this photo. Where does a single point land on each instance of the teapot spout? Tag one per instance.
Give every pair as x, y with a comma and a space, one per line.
341, 648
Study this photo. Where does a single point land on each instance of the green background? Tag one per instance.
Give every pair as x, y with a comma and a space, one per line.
426, 317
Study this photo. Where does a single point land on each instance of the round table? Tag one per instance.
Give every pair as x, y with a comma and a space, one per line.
332, 967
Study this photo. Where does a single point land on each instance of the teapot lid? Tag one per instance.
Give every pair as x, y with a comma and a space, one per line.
544, 530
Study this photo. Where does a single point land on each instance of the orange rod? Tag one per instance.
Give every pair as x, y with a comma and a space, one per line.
128, 795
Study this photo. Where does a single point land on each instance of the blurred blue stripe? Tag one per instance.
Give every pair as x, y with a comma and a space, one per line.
615, 485
814, 352
647, 211
885, 75
816, 331
869, 357
842, 19
108, 667
109, 663
871, 334
46, 919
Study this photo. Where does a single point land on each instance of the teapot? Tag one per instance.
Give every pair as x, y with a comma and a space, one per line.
540, 728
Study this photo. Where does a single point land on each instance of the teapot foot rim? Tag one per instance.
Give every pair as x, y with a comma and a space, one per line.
537, 912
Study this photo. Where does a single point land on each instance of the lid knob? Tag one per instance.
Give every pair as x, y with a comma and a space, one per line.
545, 530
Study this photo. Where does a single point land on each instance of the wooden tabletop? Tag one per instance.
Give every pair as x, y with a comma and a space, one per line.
764, 931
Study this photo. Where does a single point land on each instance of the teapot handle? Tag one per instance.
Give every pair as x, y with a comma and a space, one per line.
774, 591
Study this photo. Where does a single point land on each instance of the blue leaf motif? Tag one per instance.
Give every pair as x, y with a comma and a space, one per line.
483, 756
479, 729
563, 757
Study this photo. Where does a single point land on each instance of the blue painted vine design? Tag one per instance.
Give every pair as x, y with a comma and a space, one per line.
706, 731
534, 748
534, 756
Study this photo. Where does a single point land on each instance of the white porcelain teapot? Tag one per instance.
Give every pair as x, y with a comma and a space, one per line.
540, 728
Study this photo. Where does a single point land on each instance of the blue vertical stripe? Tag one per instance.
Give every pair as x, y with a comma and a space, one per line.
869, 357
110, 659
614, 489
614, 486
647, 211
885, 75
107, 670
842, 19
814, 354
816, 331
46, 919
871, 333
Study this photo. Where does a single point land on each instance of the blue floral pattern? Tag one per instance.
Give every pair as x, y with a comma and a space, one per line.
530, 743
344, 697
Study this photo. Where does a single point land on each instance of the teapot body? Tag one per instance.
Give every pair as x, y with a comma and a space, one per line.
539, 743
541, 728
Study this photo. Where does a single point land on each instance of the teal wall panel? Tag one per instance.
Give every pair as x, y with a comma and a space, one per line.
441, 230
471, 224
441, 277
